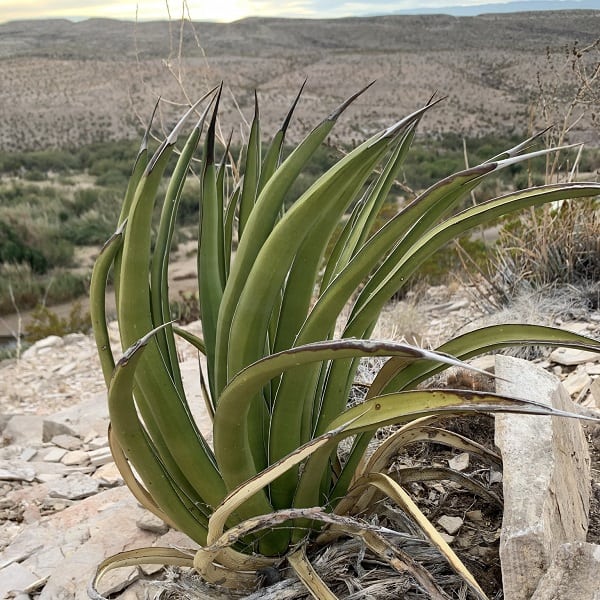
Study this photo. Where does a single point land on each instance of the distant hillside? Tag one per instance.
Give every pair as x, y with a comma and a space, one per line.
67, 83
504, 7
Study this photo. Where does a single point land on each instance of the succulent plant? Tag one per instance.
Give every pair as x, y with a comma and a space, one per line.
278, 376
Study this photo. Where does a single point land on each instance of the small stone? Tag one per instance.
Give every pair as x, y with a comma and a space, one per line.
16, 471
117, 580
99, 457
458, 305
47, 477
108, 475
68, 368
487, 362
150, 522
52, 341
447, 538
54, 455
450, 524
149, 571
580, 327
27, 454
73, 487
459, 462
98, 442
572, 356
592, 368
576, 382
474, 515
75, 458
66, 441
495, 476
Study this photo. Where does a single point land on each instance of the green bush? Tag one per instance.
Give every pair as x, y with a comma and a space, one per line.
22, 289
45, 322
14, 251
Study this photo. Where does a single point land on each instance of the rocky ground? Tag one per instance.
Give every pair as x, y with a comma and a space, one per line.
63, 506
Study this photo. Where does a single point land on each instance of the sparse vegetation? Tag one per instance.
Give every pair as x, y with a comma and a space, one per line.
46, 322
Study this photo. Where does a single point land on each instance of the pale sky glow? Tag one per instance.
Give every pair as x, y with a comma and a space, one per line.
208, 10
226, 10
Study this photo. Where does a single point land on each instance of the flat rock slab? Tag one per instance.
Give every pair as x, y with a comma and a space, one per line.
68, 546
546, 478
573, 575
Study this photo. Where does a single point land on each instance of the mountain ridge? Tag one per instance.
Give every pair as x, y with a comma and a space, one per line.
68, 83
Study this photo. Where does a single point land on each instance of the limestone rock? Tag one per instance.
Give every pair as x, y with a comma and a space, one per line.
16, 470
459, 462
68, 442
150, 522
42, 346
450, 524
25, 430
99, 457
79, 419
572, 356
75, 457
14, 578
73, 487
54, 455
52, 428
546, 478
577, 382
573, 575
67, 546
108, 475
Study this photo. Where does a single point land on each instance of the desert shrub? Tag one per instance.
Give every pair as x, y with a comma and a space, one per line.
14, 251
186, 308
19, 289
90, 216
44, 322
22, 289
550, 246
189, 204
39, 161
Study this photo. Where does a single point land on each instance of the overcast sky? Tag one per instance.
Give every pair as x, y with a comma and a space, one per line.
211, 10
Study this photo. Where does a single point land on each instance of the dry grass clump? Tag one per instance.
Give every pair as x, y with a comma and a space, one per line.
350, 570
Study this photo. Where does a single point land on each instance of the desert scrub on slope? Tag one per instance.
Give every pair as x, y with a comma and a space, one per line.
278, 378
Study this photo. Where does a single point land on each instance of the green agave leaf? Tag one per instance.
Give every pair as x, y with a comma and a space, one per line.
369, 303
403, 407
251, 171
272, 158
211, 276
301, 237
420, 214
230, 432
164, 410
250, 324
396, 375
98, 300
159, 475
259, 226
159, 274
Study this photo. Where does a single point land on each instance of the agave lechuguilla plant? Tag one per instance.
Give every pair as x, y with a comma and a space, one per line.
278, 379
